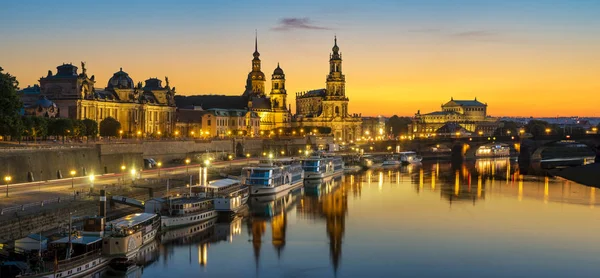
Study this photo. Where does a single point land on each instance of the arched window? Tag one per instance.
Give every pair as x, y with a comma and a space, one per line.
337, 110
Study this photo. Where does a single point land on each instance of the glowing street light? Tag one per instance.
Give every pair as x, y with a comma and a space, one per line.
508, 132
270, 156
480, 133
176, 133
158, 164
187, 163
122, 173
7, 180
72, 178
548, 131
92, 182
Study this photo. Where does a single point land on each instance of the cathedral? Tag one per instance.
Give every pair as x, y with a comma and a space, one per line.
273, 109
328, 107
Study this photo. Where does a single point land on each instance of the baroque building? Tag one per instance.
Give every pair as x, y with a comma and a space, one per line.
148, 109
328, 107
457, 116
272, 108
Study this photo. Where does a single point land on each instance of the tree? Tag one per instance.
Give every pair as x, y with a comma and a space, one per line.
537, 127
10, 104
397, 125
507, 126
109, 127
91, 128
35, 127
79, 128
61, 127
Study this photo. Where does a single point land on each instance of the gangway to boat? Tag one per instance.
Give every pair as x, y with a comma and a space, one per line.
128, 201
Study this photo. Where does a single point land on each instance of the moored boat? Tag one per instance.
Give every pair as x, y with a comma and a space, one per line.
273, 176
229, 195
409, 158
126, 235
181, 211
321, 166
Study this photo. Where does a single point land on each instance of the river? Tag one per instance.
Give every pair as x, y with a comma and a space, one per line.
483, 219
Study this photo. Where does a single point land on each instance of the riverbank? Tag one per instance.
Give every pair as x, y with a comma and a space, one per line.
586, 174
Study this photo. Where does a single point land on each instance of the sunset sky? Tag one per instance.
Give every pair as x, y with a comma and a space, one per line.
526, 58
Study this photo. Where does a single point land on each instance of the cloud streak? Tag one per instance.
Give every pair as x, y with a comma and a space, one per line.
294, 23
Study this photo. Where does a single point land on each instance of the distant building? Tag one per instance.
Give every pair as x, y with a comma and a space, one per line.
328, 107
457, 116
148, 109
373, 126
197, 122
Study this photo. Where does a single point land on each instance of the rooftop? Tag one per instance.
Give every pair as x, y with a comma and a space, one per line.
222, 183
86, 240
131, 220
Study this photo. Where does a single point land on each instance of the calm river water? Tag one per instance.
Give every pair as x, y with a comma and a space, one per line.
483, 219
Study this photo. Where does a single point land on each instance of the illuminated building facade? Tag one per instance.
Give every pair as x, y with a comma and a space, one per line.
148, 109
461, 117
328, 107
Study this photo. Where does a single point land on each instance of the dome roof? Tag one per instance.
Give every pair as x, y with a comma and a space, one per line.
120, 80
44, 102
278, 70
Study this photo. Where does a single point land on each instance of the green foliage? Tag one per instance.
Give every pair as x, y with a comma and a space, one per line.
397, 125
537, 127
10, 120
61, 127
109, 127
91, 128
79, 128
35, 127
506, 126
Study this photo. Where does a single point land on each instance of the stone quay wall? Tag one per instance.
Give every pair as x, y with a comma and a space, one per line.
46, 163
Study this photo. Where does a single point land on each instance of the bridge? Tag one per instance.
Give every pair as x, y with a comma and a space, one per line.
527, 148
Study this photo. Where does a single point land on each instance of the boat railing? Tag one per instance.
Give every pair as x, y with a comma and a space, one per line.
69, 263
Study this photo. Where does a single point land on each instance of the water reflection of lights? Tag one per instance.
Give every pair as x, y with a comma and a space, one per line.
456, 184
545, 188
203, 254
479, 185
433, 175
380, 180
421, 178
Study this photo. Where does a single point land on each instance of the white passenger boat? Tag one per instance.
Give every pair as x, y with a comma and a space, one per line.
84, 258
409, 158
229, 195
126, 235
273, 176
181, 211
392, 161
321, 166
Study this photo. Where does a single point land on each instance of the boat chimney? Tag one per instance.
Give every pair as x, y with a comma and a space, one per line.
102, 212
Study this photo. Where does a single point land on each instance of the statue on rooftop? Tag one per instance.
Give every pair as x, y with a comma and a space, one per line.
83, 69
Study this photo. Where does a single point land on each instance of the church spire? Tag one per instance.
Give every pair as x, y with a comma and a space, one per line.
256, 54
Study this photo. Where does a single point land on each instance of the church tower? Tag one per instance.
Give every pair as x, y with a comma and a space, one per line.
278, 93
336, 81
255, 84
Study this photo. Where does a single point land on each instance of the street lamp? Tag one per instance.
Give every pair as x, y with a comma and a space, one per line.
133, 175
158, 164
123, 173
72, 178
92, 183
187, 163
7, 180
508, 132
548, 131
121, 134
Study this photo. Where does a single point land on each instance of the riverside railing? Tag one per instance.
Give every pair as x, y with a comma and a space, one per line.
17, 208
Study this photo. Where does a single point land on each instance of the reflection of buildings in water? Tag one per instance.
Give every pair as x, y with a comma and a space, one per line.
227, 230
194, 234
332, 207
473, 180
264, 209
